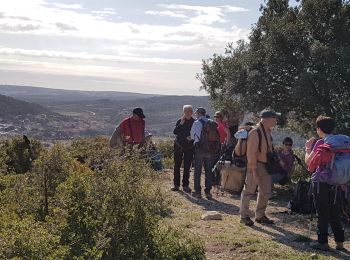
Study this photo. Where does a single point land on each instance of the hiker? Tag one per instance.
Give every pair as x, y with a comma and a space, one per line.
207, 147
327, 197
225, 136
240, 150
287, 158
131, 131
223, 129
259, 144
183, 149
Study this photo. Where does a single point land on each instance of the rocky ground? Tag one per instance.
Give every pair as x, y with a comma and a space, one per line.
228, 239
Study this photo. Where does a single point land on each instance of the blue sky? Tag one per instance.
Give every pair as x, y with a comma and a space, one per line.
138, 46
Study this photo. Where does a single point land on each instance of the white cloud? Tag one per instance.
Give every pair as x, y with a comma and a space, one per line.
166, 13
68, 6
86, 56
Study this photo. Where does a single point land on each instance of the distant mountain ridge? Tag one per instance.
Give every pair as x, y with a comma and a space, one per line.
44, 95
11, 107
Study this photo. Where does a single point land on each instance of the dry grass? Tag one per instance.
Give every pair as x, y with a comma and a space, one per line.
228, 239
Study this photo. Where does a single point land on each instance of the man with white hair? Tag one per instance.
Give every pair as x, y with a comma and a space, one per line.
183, 149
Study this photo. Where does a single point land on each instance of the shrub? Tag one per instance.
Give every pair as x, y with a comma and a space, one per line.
114, 213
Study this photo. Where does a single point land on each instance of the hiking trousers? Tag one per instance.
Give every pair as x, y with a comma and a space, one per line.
328, 200
208, 160
264, 184
185, 156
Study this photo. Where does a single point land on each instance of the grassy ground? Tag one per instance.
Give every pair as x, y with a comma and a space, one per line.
228, 239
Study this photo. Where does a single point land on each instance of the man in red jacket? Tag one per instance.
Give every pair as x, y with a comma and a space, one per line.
130, 131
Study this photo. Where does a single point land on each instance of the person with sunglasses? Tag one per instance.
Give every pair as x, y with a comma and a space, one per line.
287, 158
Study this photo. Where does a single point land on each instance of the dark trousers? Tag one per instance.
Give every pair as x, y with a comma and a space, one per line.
185, 156
208, 161
328, 205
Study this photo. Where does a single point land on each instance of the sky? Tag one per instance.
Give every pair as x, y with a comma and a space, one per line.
143, 46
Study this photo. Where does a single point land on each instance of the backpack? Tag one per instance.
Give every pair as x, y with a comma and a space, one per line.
301, 201
331, 162
240, 151
209, 139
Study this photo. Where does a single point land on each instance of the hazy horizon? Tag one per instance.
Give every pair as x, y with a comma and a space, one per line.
111, 45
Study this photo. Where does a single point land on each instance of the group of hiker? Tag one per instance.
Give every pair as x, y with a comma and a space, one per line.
202, 142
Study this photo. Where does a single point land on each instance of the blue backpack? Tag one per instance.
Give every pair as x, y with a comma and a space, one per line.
337, 172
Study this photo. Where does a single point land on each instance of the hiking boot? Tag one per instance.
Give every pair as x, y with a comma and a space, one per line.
187, 189
175, 188
264, 220
197, 195
247, 221
208, 195
322, 247
339, 246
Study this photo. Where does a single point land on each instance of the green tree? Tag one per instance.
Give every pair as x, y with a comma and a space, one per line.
297, 61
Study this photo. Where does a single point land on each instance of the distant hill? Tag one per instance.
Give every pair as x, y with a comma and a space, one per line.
86, 113
46, 95
11, 107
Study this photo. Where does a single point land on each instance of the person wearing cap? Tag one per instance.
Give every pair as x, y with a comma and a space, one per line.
183, 149
201, 158
132, 128
258, 144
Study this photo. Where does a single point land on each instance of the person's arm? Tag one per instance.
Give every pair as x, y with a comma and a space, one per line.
178, 127
195, 130
252, 151
309, 152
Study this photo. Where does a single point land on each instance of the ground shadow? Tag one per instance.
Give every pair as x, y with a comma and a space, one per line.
290, 239
212, 205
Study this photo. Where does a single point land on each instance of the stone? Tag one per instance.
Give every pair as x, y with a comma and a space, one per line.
212, 215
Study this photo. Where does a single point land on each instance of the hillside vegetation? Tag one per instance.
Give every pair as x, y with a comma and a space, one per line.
61, 209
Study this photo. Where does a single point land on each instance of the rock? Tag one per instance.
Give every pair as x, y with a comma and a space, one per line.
212, 215
314, 256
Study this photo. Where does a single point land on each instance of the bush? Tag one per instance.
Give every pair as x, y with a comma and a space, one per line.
174, 243
113, 213
19, 156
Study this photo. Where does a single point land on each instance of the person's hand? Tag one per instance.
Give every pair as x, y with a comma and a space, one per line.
309, 143
183, 119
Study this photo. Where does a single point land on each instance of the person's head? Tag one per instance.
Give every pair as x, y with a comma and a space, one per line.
218, 117
269, 117
138, 113
200, 112
188, 111
325, 125
287, 143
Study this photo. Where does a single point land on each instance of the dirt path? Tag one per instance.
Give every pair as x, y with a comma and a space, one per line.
228, 239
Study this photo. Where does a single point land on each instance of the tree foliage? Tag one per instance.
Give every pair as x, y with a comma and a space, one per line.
297, 61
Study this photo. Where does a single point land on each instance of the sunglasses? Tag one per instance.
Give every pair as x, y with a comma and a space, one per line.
288, 144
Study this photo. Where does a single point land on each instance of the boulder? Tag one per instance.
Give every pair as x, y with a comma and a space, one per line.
212, 215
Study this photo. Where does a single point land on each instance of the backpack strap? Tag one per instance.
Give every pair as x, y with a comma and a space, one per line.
259, 134
267, 142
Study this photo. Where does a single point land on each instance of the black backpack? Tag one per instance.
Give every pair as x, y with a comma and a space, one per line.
302, 201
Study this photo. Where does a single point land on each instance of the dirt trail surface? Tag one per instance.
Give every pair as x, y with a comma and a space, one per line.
228, 239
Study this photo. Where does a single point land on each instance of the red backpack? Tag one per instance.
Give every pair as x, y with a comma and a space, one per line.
323, 157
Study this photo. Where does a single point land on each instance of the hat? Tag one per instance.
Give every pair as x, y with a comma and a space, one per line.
269, 113
218, 114
201, 110
138, 111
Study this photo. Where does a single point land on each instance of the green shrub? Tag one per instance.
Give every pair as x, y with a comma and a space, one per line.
18, 157
113, 213
300, 172
174, 243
